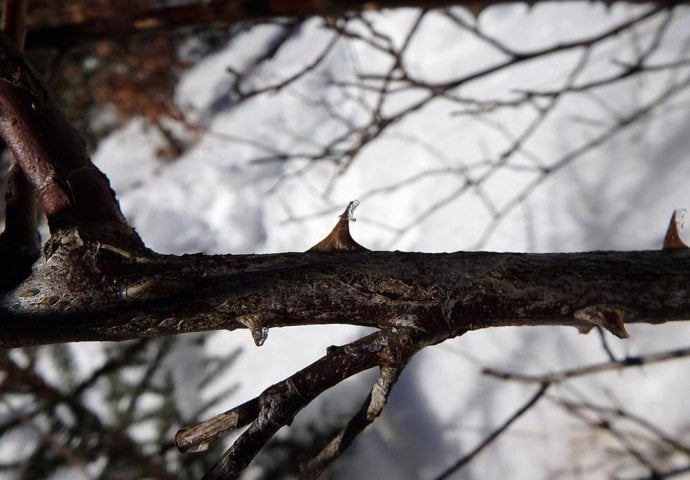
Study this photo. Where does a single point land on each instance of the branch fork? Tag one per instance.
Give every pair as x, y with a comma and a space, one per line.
96, 281
277, 405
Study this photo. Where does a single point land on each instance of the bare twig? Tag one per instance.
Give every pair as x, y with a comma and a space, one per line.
601, 422
279, 404
197, 437
238, 77
467, 458
635, 419
370, 409
627, 362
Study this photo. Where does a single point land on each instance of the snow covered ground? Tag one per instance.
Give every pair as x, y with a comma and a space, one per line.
617, 196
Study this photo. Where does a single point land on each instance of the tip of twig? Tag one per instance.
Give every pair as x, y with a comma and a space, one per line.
672, 240
340, 240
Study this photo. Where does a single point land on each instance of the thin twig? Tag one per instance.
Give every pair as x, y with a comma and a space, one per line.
604, 424
467, 458
627, 362
278, 405
49, 439
371, 408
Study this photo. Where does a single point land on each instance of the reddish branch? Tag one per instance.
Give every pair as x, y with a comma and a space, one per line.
21, 233
71, 190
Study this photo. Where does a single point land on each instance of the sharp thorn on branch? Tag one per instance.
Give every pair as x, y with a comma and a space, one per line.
340, 240
672, 240
610, 317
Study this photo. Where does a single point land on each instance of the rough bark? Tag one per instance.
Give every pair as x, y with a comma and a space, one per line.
92, 291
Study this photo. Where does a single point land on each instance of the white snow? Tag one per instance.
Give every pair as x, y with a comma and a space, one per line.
618, 196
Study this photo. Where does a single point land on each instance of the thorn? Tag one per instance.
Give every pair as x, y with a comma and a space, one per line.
340, 240
610, 317
475, 8
672, 241
256, 327
584, 329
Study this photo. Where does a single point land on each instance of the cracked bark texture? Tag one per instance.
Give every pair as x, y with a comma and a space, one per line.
88, 291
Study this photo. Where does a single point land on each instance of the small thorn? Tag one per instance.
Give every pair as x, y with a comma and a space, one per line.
475, 8
256, 327
610, 317
584, 329
672, 241
259, 335
340, 240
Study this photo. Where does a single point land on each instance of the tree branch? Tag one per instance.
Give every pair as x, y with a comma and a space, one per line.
222, 13
557, 377
96, 281
279, 404
71, 190
20, 236
368, 412
92, 291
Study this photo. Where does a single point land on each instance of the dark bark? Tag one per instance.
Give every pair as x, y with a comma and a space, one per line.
92, 291
222, 13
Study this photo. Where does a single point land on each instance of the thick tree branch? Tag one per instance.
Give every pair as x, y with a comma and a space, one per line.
91, 291
14, 21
